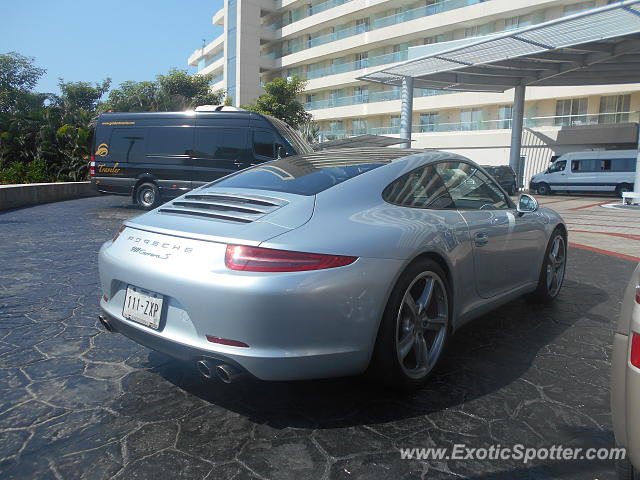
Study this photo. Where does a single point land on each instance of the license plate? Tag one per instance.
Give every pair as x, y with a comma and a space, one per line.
142, 306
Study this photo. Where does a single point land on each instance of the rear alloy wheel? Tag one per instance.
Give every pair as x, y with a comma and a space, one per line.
415, 327
544, 189
553, 268
148, 196
622, 188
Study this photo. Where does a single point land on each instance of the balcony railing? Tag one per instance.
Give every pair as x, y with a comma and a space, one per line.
315, 9
358, 64
205, 62
436, 8
371, 97
531, 122
216, 79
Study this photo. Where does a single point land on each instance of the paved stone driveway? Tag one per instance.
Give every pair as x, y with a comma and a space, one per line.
77, 402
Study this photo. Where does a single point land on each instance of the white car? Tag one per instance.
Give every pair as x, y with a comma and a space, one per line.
625, 381
605, 171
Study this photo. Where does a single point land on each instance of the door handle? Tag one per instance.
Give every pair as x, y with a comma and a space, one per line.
480, 239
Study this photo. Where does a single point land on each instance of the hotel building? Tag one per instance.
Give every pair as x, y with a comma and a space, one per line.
331, 43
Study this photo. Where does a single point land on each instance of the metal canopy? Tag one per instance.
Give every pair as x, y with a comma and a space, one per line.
595, 47
600, 46
359, 142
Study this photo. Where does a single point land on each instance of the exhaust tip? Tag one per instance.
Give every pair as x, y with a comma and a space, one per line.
105, 323
204, 367
227, 373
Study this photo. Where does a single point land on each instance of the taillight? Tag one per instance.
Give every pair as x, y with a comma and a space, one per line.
256, 259
92, 166
117, 234
226, 341
635, 350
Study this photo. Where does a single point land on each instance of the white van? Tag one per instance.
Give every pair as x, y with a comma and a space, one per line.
602, 171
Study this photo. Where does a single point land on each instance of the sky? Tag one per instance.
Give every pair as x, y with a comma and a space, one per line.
92, 40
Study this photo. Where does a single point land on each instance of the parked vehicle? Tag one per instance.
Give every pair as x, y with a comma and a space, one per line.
328, 264
605, 171
625, 380
505, 176
154, 157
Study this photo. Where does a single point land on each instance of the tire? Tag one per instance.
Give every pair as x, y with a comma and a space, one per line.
623, 187
414, 329
553, 269
147, 196
544, 189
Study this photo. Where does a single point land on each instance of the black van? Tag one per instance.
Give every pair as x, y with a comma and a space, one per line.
158, 156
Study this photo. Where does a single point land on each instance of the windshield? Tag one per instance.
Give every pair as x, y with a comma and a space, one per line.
291, 136
299, 175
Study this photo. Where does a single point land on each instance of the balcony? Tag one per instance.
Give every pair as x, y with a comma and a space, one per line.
413, 14
313, 10
369, 98
205, 62
485, 125
358, 64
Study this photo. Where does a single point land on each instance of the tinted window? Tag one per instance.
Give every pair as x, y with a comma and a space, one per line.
557, 166
469, 187
127, 144
263, 144
588, 165
421, 188
170, 141
297, 175
225, 143
623, 165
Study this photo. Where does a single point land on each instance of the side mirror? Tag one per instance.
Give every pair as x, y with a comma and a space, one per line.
526, 204
280, 152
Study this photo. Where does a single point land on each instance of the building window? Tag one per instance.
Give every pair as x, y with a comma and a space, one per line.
517, 22
362, 60
428, 121
614, 109
359, 126
395, 123
361, 94
505, 114
579, 7
336, 126
471, 119
571, 112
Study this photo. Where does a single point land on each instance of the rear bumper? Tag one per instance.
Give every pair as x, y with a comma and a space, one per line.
299, 325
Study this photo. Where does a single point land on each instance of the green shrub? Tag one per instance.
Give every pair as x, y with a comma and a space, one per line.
18, 172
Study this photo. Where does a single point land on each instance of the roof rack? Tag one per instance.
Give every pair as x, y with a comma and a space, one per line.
217, 108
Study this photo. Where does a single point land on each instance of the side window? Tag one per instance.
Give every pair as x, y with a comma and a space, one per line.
127, 144
421, 188
557, 166
170, 141
623, 165
220, 143
469, 187
263, 144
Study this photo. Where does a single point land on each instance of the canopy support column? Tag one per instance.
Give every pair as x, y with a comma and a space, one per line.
406, 110
634, 197
517, 116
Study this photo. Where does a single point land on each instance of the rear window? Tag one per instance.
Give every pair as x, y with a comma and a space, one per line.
297, 175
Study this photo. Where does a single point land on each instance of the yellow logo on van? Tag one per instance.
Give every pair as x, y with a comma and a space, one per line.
105, 169
103, 150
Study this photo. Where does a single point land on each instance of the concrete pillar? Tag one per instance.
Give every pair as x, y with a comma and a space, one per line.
406, 110
517, 116
634, 197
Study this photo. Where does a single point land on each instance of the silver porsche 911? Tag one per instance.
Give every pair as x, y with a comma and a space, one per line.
328, 264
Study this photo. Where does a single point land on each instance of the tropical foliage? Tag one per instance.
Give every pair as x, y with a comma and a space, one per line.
46, 137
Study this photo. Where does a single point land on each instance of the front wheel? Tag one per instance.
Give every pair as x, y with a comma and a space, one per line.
414, 328
147, 196
544, 189
553, 268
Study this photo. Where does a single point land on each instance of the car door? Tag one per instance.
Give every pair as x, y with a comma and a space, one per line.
167, 157
506, 246
264, 146
556, 175
218, 151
